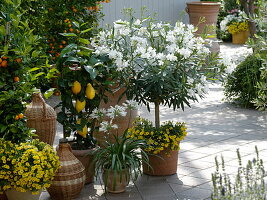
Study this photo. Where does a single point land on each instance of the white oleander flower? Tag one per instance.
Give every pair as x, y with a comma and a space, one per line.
171, 57
130, 104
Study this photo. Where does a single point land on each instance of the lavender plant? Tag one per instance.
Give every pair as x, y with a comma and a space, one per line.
248, 184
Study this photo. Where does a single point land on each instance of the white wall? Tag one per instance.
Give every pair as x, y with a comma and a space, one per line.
167, 10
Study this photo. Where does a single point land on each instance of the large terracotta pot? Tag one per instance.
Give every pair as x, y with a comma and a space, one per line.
42, 118
122, 122
209, 10
86, 158
70, 178
240, 38
163, 164
119, 184
13, 194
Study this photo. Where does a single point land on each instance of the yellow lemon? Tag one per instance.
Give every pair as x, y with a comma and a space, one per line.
76, 88
90, 91
82, 133
80, 105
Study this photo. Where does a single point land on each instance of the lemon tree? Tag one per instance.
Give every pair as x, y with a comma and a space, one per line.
82, 83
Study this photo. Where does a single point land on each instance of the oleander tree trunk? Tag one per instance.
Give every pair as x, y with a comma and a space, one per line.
157, 116
249, 9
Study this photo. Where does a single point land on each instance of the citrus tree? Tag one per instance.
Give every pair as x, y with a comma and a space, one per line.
19, 60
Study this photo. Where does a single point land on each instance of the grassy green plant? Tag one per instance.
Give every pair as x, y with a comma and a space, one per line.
124, 154
240, 86
248, 184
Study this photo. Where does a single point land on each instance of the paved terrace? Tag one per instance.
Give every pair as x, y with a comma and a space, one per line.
215, 128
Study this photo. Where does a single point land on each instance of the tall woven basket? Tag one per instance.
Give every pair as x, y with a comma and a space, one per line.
42, 118
70, 178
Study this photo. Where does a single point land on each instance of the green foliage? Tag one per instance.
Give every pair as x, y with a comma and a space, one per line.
76, 63
19, 55
240, 86
247, 184
125, 153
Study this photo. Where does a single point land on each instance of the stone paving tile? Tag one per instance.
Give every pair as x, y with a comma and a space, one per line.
194, 194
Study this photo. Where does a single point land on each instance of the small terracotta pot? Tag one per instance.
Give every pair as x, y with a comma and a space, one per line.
240, 38
163, 164
13, 194
86, 158
119, 184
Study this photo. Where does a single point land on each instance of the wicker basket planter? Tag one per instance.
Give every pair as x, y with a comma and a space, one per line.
86, 158
163, 164
42, 118
70, 178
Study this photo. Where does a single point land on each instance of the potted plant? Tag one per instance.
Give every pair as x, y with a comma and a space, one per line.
163, 144
165, 64
236, 24
203, 14
119, 162
26, 168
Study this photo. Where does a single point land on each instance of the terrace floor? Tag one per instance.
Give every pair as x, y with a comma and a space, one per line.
215, 128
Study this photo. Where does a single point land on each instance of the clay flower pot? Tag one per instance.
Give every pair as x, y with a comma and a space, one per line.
116, 184
240, 38
86, 158
209, 10
163, 164
13, 194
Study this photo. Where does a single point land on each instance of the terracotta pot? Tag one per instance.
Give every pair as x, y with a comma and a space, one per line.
163, 164
86, 158
42, 118
240, 38
70, 178
119, 184
13, 194
122, 122
207, 9
3, 196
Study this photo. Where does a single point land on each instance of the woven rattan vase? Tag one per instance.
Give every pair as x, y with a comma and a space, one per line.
70, 178
42, 118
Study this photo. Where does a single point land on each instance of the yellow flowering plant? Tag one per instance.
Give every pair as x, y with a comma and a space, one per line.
27, 166
166, 137
237, 27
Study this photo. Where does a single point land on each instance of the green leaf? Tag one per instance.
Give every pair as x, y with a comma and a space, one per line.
84, 41
93, 72
87, 30
69, 34
68, 49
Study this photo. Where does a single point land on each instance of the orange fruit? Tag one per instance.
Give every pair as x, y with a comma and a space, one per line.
20, 115
64, 42
65, 31
74, 10
4, 63
17, 117
18, 60
77, 31
69, 25
16, 79
4, 57
60, 46
71, 29
1, 60
57, 93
